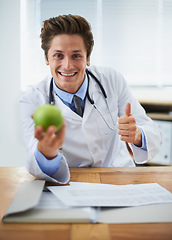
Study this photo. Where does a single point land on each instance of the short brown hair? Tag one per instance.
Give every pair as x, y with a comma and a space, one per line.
66, 24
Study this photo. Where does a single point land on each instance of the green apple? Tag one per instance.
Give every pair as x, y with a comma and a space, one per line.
47, 115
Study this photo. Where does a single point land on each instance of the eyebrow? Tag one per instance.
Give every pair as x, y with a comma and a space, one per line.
77, 50
74, 51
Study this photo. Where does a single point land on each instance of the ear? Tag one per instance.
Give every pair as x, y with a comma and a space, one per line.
88, 61
46, 60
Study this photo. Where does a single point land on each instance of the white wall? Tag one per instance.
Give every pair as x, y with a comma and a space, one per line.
12, 150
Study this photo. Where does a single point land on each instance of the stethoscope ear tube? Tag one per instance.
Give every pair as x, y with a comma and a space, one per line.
87, 94
97, 81
51, 93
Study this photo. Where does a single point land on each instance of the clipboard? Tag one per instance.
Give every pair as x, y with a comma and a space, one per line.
22, 208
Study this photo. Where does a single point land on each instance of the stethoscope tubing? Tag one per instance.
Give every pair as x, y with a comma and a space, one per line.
89, 73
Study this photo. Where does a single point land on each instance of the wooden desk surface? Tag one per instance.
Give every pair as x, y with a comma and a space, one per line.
12, 178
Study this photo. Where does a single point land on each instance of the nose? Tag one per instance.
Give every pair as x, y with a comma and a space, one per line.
67, 63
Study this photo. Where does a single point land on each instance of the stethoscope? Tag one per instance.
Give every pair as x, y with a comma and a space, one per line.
89, 73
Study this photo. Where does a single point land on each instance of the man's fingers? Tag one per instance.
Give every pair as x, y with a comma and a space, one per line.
125, 119
51, 130
128, 109
61, 132
39, 132
50, 135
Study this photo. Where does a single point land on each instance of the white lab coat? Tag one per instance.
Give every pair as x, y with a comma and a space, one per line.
89, 142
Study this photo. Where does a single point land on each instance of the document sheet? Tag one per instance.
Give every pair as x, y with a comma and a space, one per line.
106, 195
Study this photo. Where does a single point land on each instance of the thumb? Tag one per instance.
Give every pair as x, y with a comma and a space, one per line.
128, 109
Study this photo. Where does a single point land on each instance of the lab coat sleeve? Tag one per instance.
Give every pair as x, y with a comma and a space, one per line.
153, 142
47, 166
151, 132
28, 103
150, 128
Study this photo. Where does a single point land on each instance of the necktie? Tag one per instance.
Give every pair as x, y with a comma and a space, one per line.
77, 102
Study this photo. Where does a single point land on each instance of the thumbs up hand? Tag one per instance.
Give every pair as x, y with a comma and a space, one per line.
128, 129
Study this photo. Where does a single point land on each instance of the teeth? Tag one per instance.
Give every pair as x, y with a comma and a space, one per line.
67, 74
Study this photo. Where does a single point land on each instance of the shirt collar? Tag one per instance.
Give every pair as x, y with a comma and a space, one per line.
67, 97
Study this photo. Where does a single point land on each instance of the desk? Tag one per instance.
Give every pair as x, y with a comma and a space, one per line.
12, 178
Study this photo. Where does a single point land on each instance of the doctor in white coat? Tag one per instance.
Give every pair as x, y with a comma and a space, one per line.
111, 117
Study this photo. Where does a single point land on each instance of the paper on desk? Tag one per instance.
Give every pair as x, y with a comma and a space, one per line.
107, 195
49, 201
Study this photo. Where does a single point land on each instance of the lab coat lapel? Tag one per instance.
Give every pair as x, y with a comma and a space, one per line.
95, 94
67, 112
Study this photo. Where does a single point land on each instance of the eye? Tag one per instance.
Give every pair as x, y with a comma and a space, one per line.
76, 56
58, 55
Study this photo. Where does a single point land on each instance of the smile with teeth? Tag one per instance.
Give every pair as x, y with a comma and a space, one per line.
67, 74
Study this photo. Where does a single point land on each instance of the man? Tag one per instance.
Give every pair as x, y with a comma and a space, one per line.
109, 116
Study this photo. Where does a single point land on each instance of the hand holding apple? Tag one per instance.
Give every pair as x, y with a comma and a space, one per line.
49, 132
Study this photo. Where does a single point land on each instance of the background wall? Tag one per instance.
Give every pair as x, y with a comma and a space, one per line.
12, 150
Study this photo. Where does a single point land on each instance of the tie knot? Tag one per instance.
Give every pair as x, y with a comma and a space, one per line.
77, 99
77, 102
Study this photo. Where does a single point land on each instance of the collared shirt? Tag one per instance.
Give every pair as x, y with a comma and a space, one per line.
68, 97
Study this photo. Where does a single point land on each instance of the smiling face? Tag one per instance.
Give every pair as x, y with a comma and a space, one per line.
67, 57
